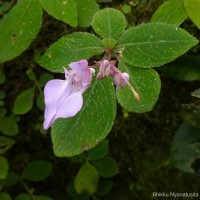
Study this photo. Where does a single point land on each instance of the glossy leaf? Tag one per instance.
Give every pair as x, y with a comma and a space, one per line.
99, 151
192, 8
24, 102
107, 167
74, 135
86, 10
8, 126
5, 144
147, 84
87, 179
185, 68
171, 12
154, 44
71, 48
109, 23
64, 10
3, 167
37, 170
18, 28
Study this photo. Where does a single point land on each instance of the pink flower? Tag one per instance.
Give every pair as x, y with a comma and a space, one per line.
63, 98
107, 68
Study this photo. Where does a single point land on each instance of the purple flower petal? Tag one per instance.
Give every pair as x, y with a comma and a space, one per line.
55, 92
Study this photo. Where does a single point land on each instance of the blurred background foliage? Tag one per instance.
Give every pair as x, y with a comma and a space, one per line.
157, 151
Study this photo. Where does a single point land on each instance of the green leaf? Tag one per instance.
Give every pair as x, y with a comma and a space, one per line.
2, 77
104, 186
154, 44
74, 135
192, 8
24, 101
40, 101
43, 198
171, 12
196, 93
184, 157
5, 144
80, 158
86, 179
147, 84
2, 94
64, 10
99, 151
31, 75
4, 196
186, 134
11, 179
18, 28
4, 166
23, 196
109, 23
86, 10
3, 112
185, 68
44, 78
107, 167
8, 126
37, 170
71, 48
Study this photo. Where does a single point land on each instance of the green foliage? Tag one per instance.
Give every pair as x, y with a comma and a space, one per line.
107, 167
16, 37
8, 126
3, 167
109, 23
185, 68
171, 12
4, 196
71, 48
196, 93
5, 144
87, 179
147, 84
99, 151
43, 198
75, 135
185, 147
104, 186
154, 44
86, 10
63, 10
192, 8
37, 170
24, 101
23, 197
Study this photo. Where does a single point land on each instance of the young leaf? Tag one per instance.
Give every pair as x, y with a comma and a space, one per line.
18, 28
3, 167
170, 12
109, 23
64, 10
107, 167
192, 8
8, 126
147, 84
87, 179
74, 135
185, 68
37, 170
71, 48
5, 144
154, 44
99, 151
86, 10
24, 102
